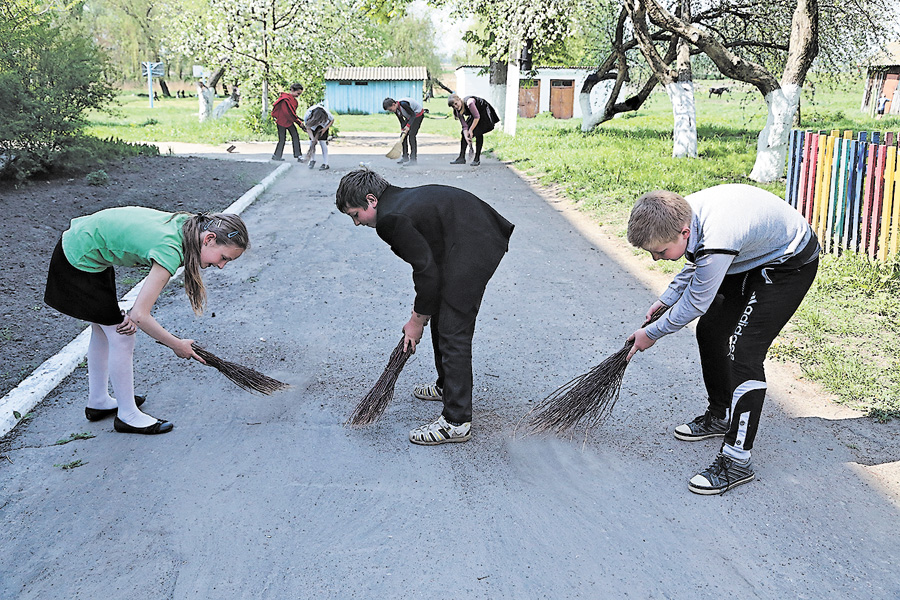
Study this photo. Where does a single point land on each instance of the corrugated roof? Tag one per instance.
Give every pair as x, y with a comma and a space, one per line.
888, 57
376, 74
545, 67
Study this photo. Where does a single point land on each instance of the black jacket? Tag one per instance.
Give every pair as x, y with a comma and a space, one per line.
453, 240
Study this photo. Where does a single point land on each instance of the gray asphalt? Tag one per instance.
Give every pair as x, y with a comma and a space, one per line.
271, 497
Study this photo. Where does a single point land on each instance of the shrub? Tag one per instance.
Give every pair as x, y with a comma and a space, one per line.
97, 178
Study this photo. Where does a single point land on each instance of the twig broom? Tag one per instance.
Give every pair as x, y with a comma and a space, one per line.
587, 400
372, 406
397, 149
244, 377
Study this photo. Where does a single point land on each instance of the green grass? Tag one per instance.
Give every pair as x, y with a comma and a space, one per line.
845, 334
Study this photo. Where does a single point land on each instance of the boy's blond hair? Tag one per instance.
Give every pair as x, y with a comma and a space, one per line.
657, 218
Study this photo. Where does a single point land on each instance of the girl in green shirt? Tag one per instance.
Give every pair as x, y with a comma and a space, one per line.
81, 283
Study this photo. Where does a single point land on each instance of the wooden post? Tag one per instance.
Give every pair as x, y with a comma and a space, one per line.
795, 157
890, 166
877, 199
804, 172
821, 177
895, 221
865, 217
862, 148
833, 191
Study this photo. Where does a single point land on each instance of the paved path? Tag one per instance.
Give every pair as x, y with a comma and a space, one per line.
270, 497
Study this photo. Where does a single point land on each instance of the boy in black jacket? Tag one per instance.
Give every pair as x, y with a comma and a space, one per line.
454, 242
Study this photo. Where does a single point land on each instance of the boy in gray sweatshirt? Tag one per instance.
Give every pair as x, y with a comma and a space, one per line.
751, 260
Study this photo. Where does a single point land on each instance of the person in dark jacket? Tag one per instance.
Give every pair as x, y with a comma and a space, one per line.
477, 117
454, 242
284, 111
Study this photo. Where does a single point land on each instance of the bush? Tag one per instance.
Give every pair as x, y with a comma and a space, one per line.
50, 77
97, 178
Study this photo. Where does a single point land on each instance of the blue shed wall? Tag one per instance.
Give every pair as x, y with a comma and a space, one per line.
368, 98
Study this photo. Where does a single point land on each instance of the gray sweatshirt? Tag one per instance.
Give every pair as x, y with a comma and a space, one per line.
734, 228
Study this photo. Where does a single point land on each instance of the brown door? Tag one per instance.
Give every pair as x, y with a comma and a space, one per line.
562, 98
529, 98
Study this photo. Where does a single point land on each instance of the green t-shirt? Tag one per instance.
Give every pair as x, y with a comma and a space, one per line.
126, 237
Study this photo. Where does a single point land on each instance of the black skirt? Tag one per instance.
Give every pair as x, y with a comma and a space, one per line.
87, 296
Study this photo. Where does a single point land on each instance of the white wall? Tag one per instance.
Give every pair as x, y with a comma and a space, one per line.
469, 83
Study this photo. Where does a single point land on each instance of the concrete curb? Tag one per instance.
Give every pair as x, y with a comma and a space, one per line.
46, 377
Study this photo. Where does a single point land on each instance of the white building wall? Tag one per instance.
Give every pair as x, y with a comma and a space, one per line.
470, 83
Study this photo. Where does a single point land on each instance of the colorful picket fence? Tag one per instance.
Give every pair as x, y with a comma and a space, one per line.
848, 189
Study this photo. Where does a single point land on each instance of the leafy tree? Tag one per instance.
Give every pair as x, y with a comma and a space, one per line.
50, 76
271, 43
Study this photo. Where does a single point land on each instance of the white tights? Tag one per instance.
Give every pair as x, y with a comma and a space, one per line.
324, 147
110, 358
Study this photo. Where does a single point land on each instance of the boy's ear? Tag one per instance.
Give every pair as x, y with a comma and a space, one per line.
372, 199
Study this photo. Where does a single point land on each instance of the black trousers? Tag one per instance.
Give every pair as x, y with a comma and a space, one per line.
452, 331
295, 140
735, 334
410, 146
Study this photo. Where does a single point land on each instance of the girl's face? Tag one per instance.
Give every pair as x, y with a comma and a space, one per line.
457, 104
214, 254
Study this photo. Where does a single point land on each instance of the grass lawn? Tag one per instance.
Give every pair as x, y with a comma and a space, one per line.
845, 333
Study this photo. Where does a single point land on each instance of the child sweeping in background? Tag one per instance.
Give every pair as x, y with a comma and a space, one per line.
81, 283
318, 123
477, 117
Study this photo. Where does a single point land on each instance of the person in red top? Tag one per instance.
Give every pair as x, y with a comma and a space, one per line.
284, 111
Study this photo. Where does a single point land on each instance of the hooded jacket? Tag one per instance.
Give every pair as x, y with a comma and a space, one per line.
284, 110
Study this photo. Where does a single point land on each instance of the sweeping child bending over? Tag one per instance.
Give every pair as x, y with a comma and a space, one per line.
454, 242
751, 260
318, 124
82, 284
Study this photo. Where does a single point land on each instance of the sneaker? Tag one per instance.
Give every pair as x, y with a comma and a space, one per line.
440, 432
703, 427
724, 474
301, 159
278, 158
403, 160
458, 161
428, 391
410, 163
324, 168
476, 163
312, 164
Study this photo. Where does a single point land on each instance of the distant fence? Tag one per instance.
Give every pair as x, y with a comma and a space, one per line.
848, 189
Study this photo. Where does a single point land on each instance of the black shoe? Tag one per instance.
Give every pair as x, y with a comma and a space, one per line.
159, 427
410, 163
95, 414
702, 428
403, 160
476, 162
312, 164
725, 473
278, 158
459, 161
324, 168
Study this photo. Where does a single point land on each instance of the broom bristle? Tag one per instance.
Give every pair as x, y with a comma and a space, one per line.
373, 404
586, 401
244, 377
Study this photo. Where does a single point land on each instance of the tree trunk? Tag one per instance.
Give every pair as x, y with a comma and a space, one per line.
772, 143
681, 94
205, 100
164, 87
497, 80
511, 111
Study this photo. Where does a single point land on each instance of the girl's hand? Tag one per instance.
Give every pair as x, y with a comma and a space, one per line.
127, 326
184, 349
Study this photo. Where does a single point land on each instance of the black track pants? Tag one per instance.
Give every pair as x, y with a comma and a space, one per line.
734, 335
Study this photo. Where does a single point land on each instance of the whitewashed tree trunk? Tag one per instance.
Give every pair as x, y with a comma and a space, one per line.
772, 143
498, 99
684, 131
205, 99
589, 117
223, 107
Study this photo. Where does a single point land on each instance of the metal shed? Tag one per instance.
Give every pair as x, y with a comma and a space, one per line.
361, 90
